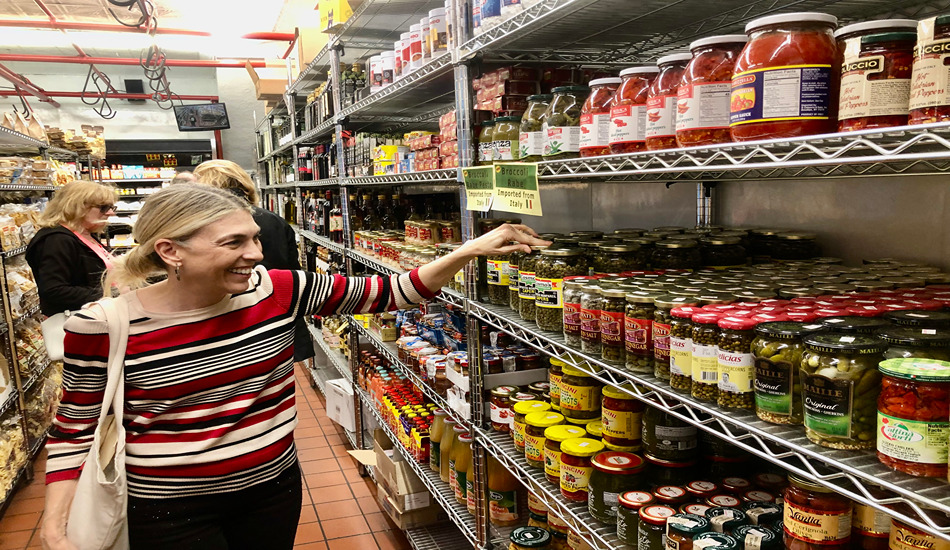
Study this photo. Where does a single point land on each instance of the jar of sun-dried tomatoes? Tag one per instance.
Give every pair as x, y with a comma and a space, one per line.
702, 107
875, 81
595, 117
794, 57
628, 110
929, 94
661, 101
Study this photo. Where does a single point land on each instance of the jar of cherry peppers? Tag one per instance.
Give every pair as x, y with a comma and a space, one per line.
661, 101
595, 117
913, 410
702, 108
875, 81
929, 96
628, 110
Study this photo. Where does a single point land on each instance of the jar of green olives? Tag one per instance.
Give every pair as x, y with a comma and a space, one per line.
497, 275
612, 327
777, 351
840, 385
513, 260
531, 137
681, 348
705, 364
526, 277
562, 123
591, 304
661, 331
615, 258
736, 363
638, 331
921, 343
573, 290
676, 254
551, 269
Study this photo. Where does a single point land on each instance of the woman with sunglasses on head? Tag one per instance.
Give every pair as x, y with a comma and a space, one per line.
66, 259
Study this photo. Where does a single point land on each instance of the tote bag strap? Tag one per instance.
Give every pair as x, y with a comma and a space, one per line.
117, 317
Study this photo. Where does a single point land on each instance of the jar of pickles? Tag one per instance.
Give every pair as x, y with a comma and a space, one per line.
661, 331
681, 529
681, 348
907, 342
535, 425
551, 270
595, 117
628, 515
815, 517
576, 468
497, 273
777, 351
573, 291
591, 303
628, 110
505, 139
612, 326
614, 473
705, 363
667, 437
702, 111
841, 384
638, 331
531, 136
553, 437
661, 101
736, 363
622, 418
580, 396
562, 128
486, 149
526, 277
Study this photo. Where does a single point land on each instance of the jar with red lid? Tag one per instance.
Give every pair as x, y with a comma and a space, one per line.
701, 489
727, 501
794, 56
628, 515
815, 517
652, 532
705, 364
622, 417
875, 81
702, 108
671, 495
595, 117
661, 101
628, 110
615, 473
929, 93
736, 485
736, 363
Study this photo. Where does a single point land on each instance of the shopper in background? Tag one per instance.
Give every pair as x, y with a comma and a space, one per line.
183, 177
66, 259
278, 241
209, 380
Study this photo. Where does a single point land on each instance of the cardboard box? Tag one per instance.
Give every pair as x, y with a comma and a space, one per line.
269, 82
340, 405
309, 43
333, 13
403, 486
429, 515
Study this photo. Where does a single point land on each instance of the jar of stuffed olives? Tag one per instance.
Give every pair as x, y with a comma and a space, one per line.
615, 258
681, 348
705, 364
614, 473
919, 343
777, 352
591, 303
735, 360
505, 139
667, 437
721, 253
638, 331
840, 384
551, 269
531, 137
562, 123
497, 273
580, 396
573, 290
526, 277
513, 260
676, 254
485, 143
661, 331
612, 327
628, 515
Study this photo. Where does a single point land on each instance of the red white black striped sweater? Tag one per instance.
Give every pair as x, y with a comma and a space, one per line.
209, 393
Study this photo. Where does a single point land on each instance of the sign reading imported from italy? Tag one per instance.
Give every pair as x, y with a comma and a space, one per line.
479, 188
505, 187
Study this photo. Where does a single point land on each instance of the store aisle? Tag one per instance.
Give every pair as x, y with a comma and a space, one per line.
339, 506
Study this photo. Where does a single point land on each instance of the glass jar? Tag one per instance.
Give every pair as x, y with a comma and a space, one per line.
716, 541
573, 291
912, 416
682, 528
777, 350
920, 319
559, 533
514, 259
840, 387
736, 363
486, 144
595, 429
681, 348
526, 278
535, 425
462, 460
870, 528
638, 331
918, 343
521, 410
791, 246
676, 254
551, 270
591, 303
763, 513
671, 495
667, 437
672, 473
628, 110
622, 418
725, 520
661, 331
815, 517
502, 417
647, 246
752, 537
702, 109
617, 258
875, 81
924, 108
652, 532
576, 467
529, 538
784, 45
562, 123
580, 396
905, 537
722, 253
555, 374
614, 473
612, 327
701, 489
723, 500
505, 139
504, 491
705, 364
661, 101
628, 515
553, 437
595, 117
497, 275
435, 438
531, 136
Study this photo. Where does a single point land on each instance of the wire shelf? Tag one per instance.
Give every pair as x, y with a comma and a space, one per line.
13, 252
425, 176
322, 241
336, 357
371, 262
9, 401
436, 537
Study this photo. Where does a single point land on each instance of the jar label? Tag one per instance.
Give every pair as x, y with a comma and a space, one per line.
905, 538
512, 276
503, 505
555, 390
526, 285
622, 528
638, 335
580, 398
661, 120
435, 453
702, 106
611, 503
572, 318
796, 92
622, 424
575, 478
501, 415
735, 371
866, 89
590, 325
773, 386
661, 341
517, 432
595, 130
460, 479
827, 405
486, 151
548, 293
912, 440
531, 144
753, 539
460, 277
561, 139
452, 474
628, 124
497, 271
506, 149
611, 328
552, 462
681, 356
534, 447
469, 494
816, 526
930, 83
675, 438
869, 521
705, 365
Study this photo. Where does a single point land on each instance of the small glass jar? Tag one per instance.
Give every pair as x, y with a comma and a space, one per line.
673, 473
917, 343
722, 253
667, 437
671, 495
681, 348
486, 143
614, 473
715, 541
553, 437
535, 425
876, 66
725, 520
622, 418
870, 528
580, 396
529, 538
753, 537
521, 410
617, 258
628, 110
555, 374
531, 136
701, 489
661, 331
505, 139
628, 515
793, 246
502, 417
762, 513
573, 291
513, 262
595, 430
777, 350
661, 101
905, 537
537, 520
526, 277
638, 331
560, 533
576, 467
705, 364
724, 500
676, 254
702, 111
652, 532
562, 123
595, 117
612, 326
682, 528
591, 303
839, 374
551, 270
815, 517
736, 363
497, 276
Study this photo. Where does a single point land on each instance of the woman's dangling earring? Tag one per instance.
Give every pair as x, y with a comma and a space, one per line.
178, 272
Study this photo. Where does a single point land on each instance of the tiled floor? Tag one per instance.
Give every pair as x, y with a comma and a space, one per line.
339, 506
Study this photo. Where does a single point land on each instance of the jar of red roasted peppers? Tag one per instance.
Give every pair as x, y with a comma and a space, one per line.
794, 56
628, 110
815, 517
913, 410
702, 107
875, 81
661, 101
929, 94
595, 117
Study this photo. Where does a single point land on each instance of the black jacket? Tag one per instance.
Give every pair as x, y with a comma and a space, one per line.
279, 244
68, 273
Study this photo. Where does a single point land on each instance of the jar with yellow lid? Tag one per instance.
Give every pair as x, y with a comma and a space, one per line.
535, 425
553, 437
622, 417
595, 430
614, 473
580, 396
576, 467
555, 374
521, 410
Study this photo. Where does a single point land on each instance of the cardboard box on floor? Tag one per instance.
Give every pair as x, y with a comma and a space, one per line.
340, 405
270, 81
410, 519
406, 490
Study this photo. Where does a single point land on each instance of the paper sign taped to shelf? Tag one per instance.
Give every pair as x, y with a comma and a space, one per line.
479, 188
516, 188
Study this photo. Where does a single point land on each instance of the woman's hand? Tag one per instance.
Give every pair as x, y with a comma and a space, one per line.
504, 239
53, 535
59, 497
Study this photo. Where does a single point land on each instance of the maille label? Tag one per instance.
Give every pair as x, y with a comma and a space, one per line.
827, 405
816, 526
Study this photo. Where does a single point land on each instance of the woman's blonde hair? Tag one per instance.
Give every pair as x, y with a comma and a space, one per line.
175, 213
70, 204
227, 175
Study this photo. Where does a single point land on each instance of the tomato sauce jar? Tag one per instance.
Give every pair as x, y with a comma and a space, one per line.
815, 517
786, 79
702, 107
661, 101
628, 110
875, 81
595, 117
913, 411
929, 92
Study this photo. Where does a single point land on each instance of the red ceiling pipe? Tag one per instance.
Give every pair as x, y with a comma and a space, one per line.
22, 83
121, 95
276, 36
108, 27
197, 63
